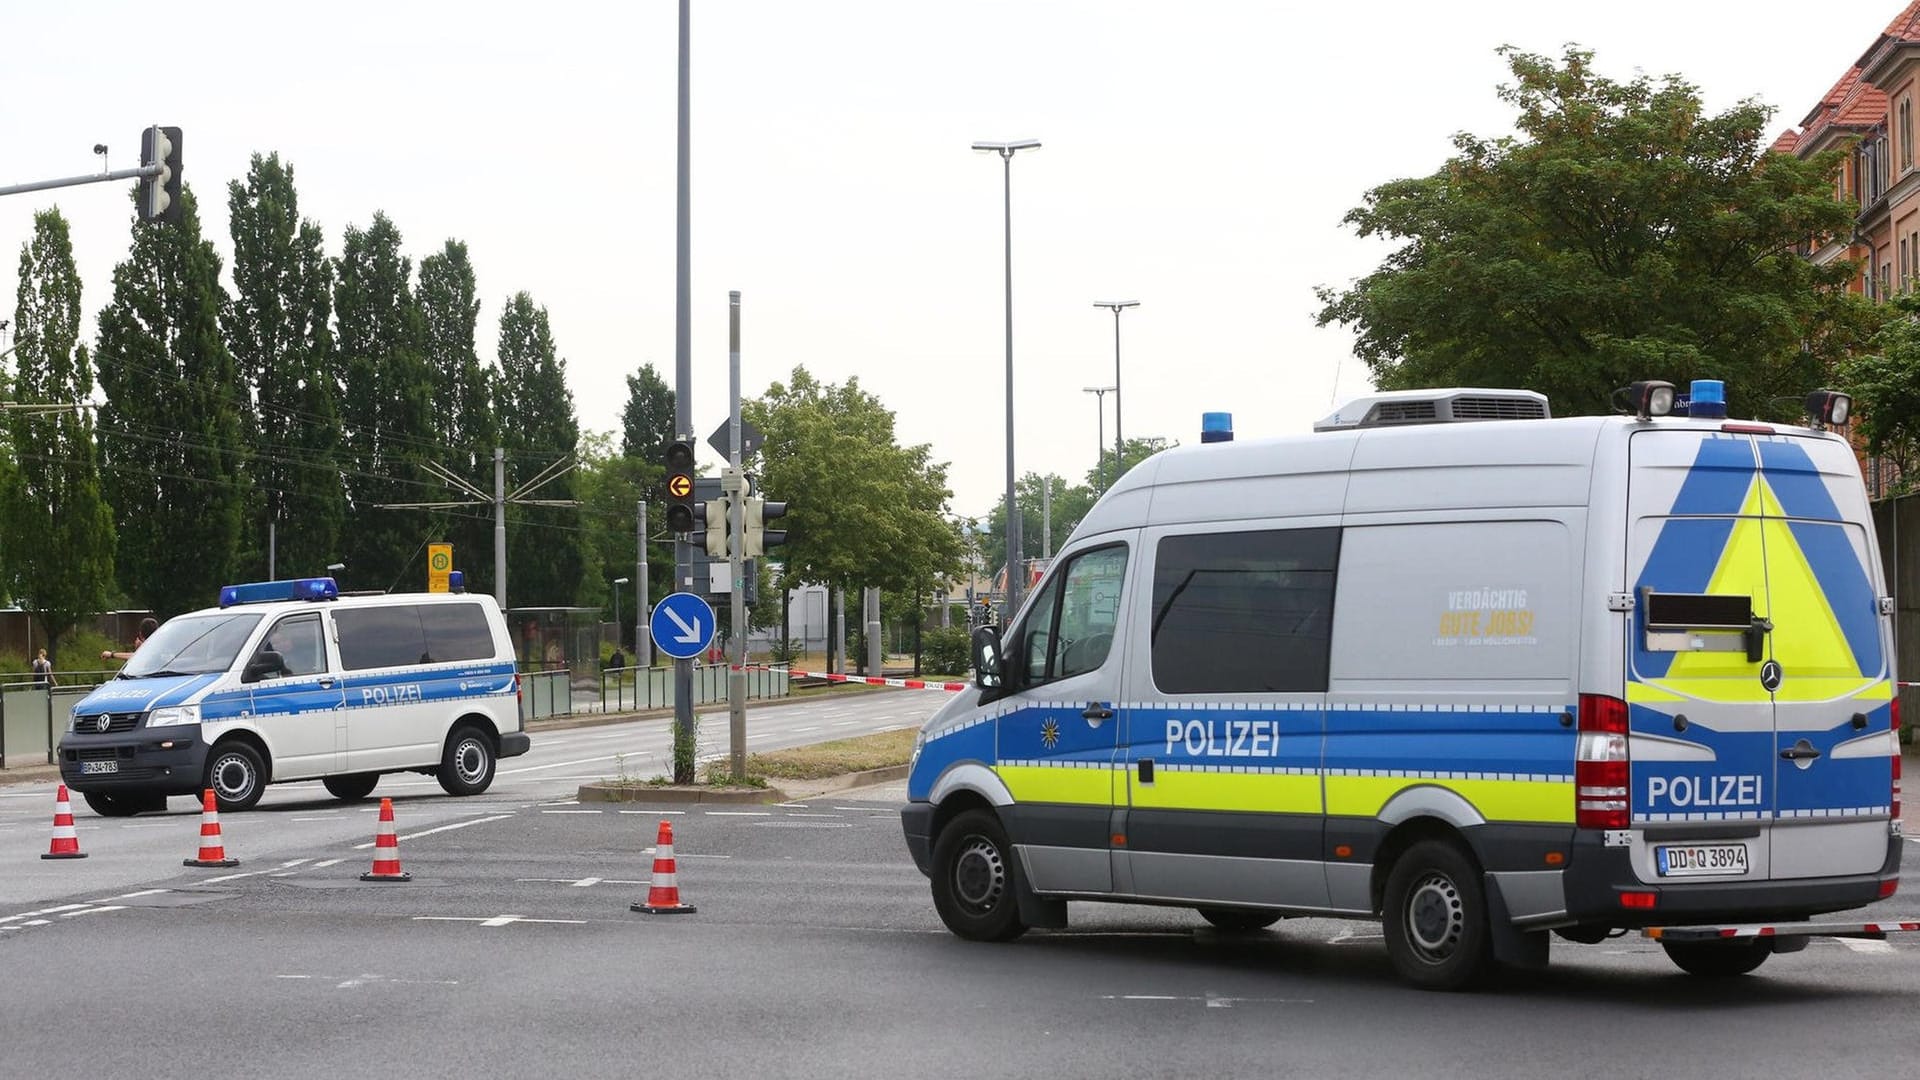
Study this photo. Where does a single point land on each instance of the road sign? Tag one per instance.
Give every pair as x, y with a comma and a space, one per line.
439, 565
750, 440
682, 625
680, 486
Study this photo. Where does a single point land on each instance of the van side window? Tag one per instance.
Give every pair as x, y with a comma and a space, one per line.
1072, 621
456, 632
380, 637
297, 639
1245, 611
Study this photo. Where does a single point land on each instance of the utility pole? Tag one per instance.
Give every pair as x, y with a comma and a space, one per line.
641, 639
499, 501
736, 548
683, 729
1046, 517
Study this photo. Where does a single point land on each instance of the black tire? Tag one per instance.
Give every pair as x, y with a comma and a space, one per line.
975, 879
1436, 917
112, 805
353, 787
1717, 960
236, 775
1238, 920
467, 764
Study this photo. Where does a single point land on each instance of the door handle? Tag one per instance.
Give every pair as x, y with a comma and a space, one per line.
326, 683
1097, 713
1800, 751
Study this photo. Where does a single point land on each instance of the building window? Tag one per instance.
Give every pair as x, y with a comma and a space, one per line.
1906, 133
1905, 267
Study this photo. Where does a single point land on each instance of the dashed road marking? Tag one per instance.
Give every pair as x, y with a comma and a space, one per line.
494, 920
1867, 945
440, 829
572, 811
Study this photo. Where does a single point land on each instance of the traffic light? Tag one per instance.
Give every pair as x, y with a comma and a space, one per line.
759, 537
714, 512
159, 197
680, 487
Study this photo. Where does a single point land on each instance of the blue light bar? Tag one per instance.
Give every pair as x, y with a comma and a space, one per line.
1216, 427
266, 592
456, 581
1707, 399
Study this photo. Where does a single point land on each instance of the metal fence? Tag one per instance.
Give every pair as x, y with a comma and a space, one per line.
33, 717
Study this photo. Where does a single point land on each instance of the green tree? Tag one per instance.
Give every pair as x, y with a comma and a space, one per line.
1624, 233
863, 510
609, 486
535, 411
386, 408
171, 446
646, 423
56, 532
1885, 383
282, 346
462, 402
1070, 503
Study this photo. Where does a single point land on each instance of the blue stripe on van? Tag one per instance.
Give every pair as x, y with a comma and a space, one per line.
1796, 482
1718, 480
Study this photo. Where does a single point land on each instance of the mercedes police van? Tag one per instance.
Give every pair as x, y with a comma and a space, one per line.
289, 680
1479, 673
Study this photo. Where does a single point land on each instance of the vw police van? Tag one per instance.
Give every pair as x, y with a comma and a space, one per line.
1447, 662
289, 680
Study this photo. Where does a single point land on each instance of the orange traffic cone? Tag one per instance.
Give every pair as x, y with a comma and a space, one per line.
66, 842
663, 893
386, 850
212, 851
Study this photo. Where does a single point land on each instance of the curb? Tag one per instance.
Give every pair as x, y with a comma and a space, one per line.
643, 793
807, 789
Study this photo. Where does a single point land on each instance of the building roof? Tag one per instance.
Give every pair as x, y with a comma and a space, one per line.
1784, 144
1851, 105
1906, 25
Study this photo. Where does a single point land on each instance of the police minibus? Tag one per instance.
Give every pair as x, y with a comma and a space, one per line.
290, 680
1450, 663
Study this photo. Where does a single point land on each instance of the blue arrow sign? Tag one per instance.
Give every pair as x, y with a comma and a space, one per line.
682, 625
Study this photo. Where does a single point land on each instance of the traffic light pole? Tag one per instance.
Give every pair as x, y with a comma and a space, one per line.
140, 173
683, 730
736, 547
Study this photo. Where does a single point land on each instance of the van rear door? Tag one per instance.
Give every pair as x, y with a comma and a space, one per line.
1757, 680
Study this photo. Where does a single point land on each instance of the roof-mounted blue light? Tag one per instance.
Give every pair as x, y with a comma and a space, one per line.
1707, 399
266, 592
1216, 427
456, 581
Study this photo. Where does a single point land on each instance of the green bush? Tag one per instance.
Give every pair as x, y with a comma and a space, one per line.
948, 651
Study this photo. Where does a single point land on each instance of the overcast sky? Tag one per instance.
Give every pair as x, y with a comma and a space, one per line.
1198, 157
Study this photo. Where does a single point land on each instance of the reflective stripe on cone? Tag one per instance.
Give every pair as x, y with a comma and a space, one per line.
213, 851
66, 842
386, 849
663, 891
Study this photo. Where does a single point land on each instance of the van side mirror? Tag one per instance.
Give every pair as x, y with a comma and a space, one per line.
986, 657
265, 665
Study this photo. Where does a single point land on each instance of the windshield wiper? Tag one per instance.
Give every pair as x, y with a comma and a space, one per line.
161, 674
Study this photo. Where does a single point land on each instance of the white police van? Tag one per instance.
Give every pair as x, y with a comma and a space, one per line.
1479, 673
289, 680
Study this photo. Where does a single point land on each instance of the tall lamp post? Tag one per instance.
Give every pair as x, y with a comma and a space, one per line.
1100, 434
1119, 444
617, 582
1006, 150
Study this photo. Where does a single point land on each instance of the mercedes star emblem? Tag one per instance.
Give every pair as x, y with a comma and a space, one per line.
1770, 675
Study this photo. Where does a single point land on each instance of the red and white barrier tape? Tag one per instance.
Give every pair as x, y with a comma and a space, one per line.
910, 684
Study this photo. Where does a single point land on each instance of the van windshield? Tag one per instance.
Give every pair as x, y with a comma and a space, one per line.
193, 645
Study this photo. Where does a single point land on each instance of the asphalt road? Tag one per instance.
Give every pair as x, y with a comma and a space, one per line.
815, 952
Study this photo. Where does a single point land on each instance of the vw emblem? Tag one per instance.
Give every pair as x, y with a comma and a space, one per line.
104, 722
1770, 675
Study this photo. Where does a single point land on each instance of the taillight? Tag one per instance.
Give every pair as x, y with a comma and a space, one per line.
516, 688
1600, 764
1896, 759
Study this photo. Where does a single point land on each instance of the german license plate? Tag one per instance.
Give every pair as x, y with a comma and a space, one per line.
99, 766
1691, 860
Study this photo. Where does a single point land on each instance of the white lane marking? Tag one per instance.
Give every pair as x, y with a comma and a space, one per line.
1212, 1001
329, 862
563, 802
336, 817
1867, 945
95, 910
147, 825
293, 976
655, 813
862, 809
38, 922
42, 911
441, 829
586, 881
573, 811
137, 895
844, 723
813, 814
738, 813
557, 765
228, 877
809, 727
293, 862
496, 920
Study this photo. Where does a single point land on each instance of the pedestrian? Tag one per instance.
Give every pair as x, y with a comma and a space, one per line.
42, 670
617, 661
147, 627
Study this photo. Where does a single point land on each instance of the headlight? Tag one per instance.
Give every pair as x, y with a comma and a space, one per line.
179, 714
70, 720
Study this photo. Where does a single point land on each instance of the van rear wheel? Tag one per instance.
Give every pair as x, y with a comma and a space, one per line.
352, 787
973, 879
466, 766
1436, 917
1717, 960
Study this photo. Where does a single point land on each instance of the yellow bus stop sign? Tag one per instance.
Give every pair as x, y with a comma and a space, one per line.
439, 565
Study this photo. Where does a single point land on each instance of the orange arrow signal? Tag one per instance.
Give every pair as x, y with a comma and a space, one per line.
680, 486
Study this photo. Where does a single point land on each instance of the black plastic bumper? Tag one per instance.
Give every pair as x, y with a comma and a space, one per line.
1596, 876
514, 743
159, 761
916, 820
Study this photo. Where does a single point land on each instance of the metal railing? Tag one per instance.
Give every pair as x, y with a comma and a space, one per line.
34, 716
630, 689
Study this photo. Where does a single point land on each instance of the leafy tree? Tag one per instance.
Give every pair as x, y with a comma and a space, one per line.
1885, 383
386, 407
1070, 504
283, 349
608, 486
863, 510
647, 420
463, 417
56, 533
535, 411
1624, 233
171, 445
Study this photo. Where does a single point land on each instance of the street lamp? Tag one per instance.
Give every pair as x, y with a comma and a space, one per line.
617, 582
1006, 150
1100, 434
1116, 306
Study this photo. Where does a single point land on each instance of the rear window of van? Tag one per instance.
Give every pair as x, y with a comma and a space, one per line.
403, 635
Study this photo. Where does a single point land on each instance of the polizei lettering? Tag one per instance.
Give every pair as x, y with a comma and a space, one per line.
1704, 791
1222, 737
389, 695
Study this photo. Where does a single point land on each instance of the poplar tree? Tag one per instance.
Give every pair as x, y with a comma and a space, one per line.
535, 411
463, 418
170, 430
283, 348
56, 532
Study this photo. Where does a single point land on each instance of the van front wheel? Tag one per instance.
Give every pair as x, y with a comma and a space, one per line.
973, 882
1436, 917
236, 776
466, 767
